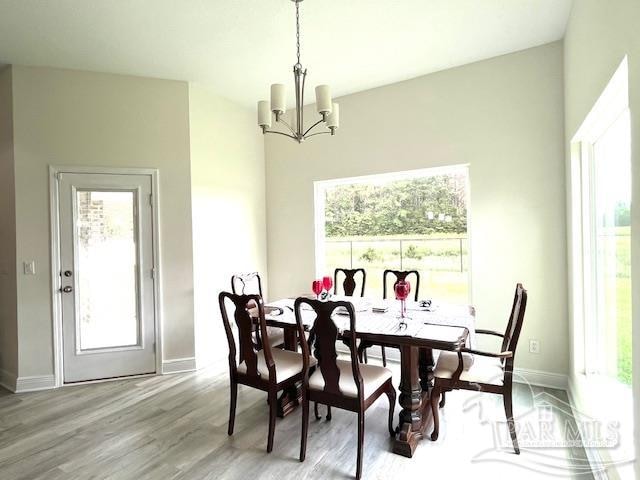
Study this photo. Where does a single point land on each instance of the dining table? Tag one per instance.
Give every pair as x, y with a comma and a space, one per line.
428, 326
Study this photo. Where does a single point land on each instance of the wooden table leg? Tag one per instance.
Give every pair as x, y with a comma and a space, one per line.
290, 397
414, 402
425, 368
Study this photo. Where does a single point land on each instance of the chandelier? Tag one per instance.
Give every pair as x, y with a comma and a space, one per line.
328, 110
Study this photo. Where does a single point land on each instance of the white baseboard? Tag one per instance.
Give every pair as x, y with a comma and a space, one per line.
178, 365
212, 363
35, 383
8, 380
540, 378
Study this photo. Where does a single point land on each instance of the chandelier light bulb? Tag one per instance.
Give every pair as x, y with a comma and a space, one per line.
323, 99
333, 119
264, 114
278, 98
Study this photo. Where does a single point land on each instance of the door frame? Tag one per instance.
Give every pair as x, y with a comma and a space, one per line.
56, 279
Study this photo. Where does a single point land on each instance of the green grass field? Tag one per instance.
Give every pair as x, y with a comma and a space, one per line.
442, 261
624, 329
621, 298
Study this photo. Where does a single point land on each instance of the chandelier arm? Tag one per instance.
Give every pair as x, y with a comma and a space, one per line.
317, 133
280, 133
287, 125
312, 127
304, 78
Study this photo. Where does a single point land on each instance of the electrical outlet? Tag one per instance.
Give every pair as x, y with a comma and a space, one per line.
534, 346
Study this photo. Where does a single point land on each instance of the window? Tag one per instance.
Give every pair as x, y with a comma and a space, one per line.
414, 220
603, 147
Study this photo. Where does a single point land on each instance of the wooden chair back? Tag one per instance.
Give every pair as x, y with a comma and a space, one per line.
401, 275
245, 320
514, 326
241, 283
349, 283
322, 338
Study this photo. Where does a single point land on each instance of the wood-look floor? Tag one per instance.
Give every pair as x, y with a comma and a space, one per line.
174, 427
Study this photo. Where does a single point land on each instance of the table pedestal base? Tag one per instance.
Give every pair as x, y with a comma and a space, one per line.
408, 436
289, 400
416, 366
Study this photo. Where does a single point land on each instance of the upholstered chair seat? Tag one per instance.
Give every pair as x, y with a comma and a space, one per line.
475, 369
373, 377
449, 360
287, 363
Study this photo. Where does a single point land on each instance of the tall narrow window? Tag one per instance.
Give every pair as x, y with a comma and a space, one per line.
604, 143
413, 220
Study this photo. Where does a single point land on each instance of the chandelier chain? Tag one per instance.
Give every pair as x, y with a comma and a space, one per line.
298, 30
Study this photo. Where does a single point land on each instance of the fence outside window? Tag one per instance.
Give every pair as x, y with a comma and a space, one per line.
443, 262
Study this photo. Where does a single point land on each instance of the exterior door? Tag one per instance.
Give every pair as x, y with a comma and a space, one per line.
106, 259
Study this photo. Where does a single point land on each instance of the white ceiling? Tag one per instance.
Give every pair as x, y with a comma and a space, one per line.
240, 47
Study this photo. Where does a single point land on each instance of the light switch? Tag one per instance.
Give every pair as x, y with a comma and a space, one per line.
29, 267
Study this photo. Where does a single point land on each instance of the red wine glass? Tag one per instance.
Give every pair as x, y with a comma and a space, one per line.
327, 283
402, 289
317, 288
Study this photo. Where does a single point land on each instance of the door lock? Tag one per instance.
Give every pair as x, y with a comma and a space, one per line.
66, 289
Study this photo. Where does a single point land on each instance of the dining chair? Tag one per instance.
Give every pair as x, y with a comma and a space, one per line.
264, 368
483, 371
245, 283
349, 288
344, 384
240, 282
399, 275
349, 284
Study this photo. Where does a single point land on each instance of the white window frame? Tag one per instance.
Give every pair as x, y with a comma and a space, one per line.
610, 106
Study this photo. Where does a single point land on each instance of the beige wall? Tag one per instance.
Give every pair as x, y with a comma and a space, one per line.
8, 320
599, 35
65, 117
504, 117
228, 196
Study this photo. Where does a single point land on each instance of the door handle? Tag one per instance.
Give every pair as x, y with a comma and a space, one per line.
66, 289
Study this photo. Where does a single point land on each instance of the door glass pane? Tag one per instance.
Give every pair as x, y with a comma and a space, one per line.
106, 270
612, 192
